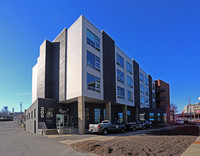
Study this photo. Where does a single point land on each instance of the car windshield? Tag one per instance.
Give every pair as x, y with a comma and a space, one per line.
105, 121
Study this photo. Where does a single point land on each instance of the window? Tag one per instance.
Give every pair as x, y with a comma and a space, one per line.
93, 83
141, 89
93, 61
28, 115
151, 117
130, 96
146, 91
146, 81
93, 40
128, 112
165, 117
120, 117
120, 92
31, 114
142, 117
141, 100
120, 76
153, 86
129, 67
141, 77
34, 113
49, 113
129, 81
120, 60
147, 102
159, 117
97, 115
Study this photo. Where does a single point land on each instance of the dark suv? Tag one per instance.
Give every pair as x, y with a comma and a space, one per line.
135, 125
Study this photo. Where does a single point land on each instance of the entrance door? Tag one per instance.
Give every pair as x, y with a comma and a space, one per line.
62, 120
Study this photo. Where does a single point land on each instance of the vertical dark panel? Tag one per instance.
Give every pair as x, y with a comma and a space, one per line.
52, 71
150, 91
136, 83
109, 83
61, 39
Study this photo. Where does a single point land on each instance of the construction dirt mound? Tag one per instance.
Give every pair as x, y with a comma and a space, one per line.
168, 143
137, 145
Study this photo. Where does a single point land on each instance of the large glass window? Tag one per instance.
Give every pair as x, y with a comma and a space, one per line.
97, 115
93, 61
146, 102
146, 91
120, 117
120, 60
142, 100
93, 83
146, 81
129, 81
151, 117
141, 77
141, 89
165, 117
130, 96
93, 40
159, 117
129, 67
120, 92
120, 76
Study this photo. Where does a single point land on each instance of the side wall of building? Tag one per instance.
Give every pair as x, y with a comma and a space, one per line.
32, 118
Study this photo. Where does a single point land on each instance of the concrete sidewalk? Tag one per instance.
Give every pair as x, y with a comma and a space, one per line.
194, 149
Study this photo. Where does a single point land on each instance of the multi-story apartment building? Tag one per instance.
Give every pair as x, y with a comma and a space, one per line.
82, 77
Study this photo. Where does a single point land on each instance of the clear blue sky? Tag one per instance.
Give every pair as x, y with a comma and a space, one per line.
162, 35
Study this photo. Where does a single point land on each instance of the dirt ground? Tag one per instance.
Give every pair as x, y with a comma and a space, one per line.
168, 143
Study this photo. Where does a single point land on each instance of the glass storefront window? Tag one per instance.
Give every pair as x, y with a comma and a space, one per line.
159, 117
165, 117
97, 115
142, 117
151, 117
120, 117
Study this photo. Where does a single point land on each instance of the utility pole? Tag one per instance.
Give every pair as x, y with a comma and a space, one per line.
190, 110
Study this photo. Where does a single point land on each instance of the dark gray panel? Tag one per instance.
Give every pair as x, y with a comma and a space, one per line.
62, 40
150, 91
109, 68
136, 83
52, 71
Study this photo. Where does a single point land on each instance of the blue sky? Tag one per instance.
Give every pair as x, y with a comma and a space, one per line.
162, 35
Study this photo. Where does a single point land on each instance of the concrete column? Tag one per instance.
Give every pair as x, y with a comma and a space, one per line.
81, 115
125, 113
108, 110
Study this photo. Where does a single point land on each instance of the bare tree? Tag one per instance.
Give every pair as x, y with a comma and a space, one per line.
174, 107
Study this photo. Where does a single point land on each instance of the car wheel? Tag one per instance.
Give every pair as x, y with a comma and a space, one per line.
105, 131
122, 130
134, 129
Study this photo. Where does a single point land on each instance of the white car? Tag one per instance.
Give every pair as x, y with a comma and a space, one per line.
179, 122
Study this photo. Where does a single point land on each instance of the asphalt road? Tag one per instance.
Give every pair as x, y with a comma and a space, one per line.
15, 141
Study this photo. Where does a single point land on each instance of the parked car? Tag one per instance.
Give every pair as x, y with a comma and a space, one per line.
148, 123
179, 122
106, 127
135, 125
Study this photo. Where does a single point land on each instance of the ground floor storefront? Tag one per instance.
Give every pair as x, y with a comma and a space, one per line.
76, 115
